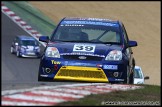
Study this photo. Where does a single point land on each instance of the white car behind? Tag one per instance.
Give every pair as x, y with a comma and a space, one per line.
139, 76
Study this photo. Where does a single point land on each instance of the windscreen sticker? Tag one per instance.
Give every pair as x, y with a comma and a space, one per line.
71, 25
89, 22
84, 47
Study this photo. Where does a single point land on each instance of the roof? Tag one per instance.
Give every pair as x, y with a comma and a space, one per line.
91, 19
137, 67
23, 37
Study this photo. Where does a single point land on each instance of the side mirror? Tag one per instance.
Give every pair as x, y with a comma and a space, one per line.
44, 39
132, 43
16, 44
147, 77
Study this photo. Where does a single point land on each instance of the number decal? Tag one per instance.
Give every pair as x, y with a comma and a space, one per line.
79, 47
84, 47
88, 48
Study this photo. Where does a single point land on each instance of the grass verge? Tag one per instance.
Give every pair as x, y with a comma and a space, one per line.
32, 16
149, 95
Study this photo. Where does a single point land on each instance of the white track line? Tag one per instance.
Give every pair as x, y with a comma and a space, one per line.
36, 98
9, 103
57, 94
18, 21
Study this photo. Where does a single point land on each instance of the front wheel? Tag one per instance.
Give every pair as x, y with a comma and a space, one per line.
18, 54
126, 81
131, 77
12, 50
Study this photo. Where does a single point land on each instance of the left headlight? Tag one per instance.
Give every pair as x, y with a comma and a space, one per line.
114, 55
52, 52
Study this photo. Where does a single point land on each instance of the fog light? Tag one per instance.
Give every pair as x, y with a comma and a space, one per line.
48, 70
116, 74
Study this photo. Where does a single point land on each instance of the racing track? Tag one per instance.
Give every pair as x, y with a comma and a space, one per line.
17, 72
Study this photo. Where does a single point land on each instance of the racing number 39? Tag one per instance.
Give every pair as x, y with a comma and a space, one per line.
84, 48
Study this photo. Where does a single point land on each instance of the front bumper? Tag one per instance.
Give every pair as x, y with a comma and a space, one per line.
91, 71
31, 54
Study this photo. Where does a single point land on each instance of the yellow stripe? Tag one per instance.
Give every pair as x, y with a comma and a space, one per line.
90, 74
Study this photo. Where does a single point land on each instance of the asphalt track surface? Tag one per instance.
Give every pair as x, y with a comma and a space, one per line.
17, 73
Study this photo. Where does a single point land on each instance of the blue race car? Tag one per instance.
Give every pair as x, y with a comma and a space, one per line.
25, 46
88, 49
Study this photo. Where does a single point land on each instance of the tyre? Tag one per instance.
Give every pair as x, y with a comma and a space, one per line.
131, 78
18, 54
12, 50
39, 77
126, 81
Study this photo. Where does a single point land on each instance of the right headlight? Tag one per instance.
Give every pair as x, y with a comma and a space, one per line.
114, 55
52, 52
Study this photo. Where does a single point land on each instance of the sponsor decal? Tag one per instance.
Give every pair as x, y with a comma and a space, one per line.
82, 57
119, 79
78, 53
112, 67
55, 62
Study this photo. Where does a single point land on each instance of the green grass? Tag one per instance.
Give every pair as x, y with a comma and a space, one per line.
32, 16
148, 95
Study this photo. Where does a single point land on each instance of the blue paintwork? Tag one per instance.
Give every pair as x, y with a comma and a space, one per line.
101, 50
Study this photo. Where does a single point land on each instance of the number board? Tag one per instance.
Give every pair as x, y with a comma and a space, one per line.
84, 47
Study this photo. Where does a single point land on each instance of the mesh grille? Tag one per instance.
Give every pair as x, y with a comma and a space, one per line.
81, 73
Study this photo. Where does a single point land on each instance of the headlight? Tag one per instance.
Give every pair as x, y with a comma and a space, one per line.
52, 52
114, 55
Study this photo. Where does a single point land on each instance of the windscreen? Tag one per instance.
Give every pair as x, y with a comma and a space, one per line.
29, 43
137, 74
87, 31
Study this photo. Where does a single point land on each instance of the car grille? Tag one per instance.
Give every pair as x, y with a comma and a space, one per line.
81, 73
76, 57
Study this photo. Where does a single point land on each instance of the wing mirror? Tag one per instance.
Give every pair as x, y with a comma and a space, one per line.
132, 43
44, 39
146, 78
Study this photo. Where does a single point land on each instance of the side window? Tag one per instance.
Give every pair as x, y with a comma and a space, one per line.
128, 50
125, 35
110, 36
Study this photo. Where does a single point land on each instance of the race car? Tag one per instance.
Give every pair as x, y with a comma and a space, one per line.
25, 46
139, 77
89, 50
